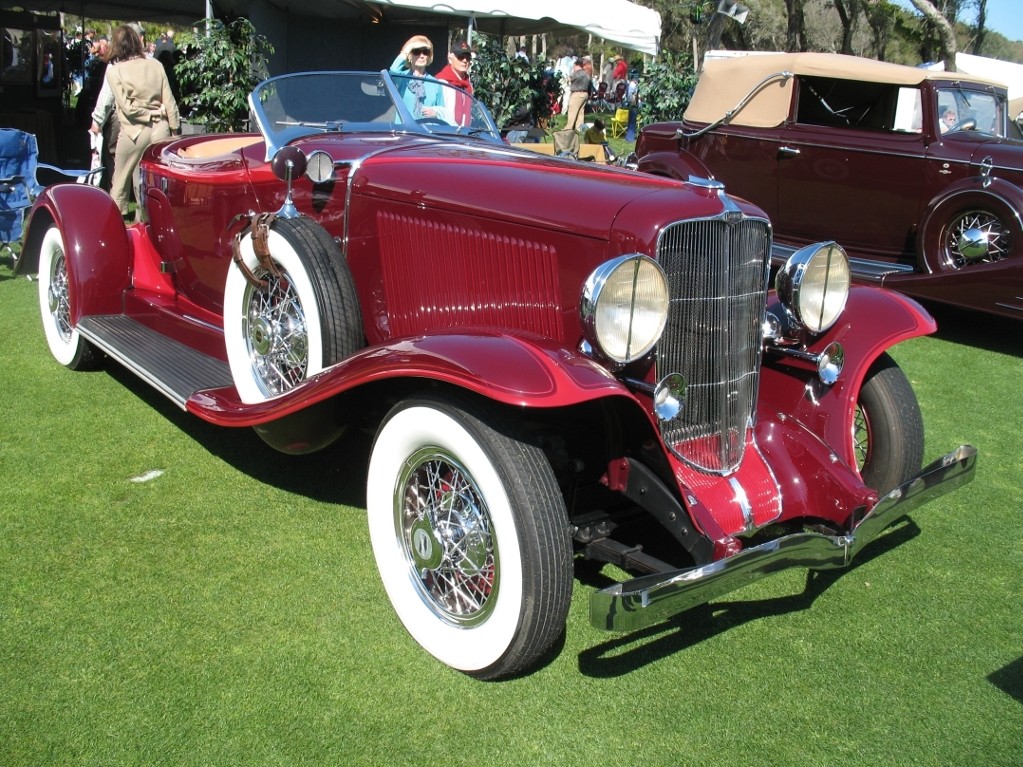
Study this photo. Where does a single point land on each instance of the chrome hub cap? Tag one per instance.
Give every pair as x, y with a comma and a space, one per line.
444, 529
976, 237
276, 334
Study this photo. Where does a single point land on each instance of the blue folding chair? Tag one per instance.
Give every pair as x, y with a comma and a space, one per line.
19, 164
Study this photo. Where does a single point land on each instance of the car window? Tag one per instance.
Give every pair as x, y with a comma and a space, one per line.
909, 114
833, 102
962, 109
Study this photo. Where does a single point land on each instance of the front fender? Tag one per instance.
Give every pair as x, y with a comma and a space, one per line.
98, 254
504, 368
874, 320
678, 165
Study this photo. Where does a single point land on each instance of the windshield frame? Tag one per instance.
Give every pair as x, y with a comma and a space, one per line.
279, 130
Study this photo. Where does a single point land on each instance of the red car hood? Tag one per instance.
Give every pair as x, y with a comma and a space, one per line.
584, 198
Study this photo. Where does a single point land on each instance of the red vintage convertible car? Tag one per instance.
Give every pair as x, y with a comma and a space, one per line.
558, 359
917, 173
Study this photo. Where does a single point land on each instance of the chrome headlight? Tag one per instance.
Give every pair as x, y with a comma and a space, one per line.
814, 285
625, 306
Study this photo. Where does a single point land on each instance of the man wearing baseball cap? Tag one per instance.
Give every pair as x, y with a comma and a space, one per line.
457, 73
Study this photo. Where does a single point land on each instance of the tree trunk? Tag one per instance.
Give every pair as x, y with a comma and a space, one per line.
880, 22
978, 42
795, 38
946, 35
848, 13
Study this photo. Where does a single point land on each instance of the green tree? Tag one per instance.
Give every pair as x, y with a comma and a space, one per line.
510, 87
667, 86
219, 66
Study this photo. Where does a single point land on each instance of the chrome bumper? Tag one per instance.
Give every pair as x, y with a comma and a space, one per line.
653, 598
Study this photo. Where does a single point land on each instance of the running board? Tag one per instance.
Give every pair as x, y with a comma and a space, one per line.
173, 369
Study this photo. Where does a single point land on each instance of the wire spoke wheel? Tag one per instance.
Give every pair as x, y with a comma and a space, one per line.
886, 429
276, 334
56, 296
861, 438
976, 237
470, 534
447, 536
298, 318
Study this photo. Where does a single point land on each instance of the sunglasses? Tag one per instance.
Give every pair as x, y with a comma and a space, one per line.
464, 56
420, 51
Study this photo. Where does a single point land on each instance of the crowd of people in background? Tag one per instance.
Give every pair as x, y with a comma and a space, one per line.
126, 100
575, 74
127, 93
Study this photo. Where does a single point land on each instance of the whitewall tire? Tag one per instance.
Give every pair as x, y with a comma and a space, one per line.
303, 319
55, 295
470, 536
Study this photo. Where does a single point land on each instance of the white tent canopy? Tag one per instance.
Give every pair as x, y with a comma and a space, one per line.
631, 25
1003, 71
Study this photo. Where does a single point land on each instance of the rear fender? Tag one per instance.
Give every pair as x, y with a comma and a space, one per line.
679, 165
97, 251
874, 320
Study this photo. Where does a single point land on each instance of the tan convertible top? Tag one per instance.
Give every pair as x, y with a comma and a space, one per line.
725, 82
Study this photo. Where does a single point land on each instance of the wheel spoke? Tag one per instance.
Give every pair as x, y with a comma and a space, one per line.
276, 334
861, 438
60, 305
445, 531
976, 237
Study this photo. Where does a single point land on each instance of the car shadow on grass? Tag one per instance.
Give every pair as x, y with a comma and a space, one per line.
983, 331
1009, 679
336, 474
626, 653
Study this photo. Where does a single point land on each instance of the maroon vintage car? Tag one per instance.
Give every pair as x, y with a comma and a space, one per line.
915, 172
558, 359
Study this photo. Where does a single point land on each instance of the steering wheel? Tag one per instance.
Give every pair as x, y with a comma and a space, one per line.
967, 123
432, 121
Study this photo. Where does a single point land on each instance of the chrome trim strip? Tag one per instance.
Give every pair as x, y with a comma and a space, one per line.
651, 599
740, 497
1010, 306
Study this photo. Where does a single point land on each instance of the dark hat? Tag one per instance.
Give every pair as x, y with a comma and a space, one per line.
460, 47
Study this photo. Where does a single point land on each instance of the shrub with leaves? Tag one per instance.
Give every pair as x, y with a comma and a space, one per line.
666, 87
511, 88
216, 70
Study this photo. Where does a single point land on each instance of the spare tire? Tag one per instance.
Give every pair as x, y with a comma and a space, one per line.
291, 316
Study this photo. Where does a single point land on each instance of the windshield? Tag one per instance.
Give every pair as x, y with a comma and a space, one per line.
962, 109
291, 106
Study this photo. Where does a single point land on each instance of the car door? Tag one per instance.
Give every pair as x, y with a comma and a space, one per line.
852, 170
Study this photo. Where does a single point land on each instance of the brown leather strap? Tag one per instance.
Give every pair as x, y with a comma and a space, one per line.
260, 229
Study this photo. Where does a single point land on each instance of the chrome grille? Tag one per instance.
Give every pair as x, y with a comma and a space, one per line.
717, 271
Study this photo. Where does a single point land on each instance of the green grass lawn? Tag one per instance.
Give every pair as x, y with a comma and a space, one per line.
172, 593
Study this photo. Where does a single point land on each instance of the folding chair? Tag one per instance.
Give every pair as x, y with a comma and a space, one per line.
617, 125
599, 101
617, 96
19, 187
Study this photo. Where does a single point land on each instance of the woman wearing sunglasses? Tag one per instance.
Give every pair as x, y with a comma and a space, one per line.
419, 90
